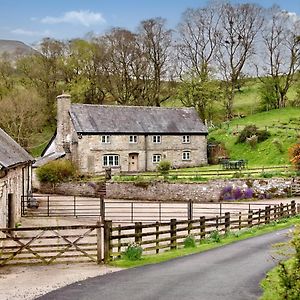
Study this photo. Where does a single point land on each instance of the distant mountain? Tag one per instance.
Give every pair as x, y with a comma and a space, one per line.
15, 49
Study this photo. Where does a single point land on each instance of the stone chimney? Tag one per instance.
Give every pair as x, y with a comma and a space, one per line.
63, 136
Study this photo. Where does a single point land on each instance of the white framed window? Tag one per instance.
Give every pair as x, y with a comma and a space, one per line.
156, 139
105, 139
111, 160
186, 155
133, 139
156, 158
186, 139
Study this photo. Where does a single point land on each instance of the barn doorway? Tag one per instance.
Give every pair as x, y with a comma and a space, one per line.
133, 162
11, 211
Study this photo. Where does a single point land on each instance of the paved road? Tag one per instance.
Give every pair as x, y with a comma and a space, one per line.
232, 272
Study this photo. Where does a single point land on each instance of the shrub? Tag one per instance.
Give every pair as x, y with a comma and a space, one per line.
250, 131
252, 141
278, 145
189, 242
164, 167
133, 252
215, 237
294, 154
56, 171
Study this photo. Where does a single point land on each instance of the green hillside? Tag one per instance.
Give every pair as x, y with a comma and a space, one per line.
284, 126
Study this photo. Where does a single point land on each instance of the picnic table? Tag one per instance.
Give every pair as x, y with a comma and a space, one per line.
234, 164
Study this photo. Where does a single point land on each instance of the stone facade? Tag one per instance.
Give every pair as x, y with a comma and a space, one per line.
95, 151
16, 183
161, 191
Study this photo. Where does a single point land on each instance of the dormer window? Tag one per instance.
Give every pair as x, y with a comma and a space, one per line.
105, 139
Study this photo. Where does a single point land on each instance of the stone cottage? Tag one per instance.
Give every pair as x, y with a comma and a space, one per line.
126, 138
15, 179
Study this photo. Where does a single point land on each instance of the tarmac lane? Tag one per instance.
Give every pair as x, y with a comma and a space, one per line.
231, 272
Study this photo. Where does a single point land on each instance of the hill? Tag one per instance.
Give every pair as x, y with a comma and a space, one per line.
15, 49
283, 125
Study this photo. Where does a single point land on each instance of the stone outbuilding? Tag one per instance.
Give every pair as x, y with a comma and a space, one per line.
15, 179
126, 138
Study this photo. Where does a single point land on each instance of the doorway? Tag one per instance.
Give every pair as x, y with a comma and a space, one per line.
133, 162
11, 211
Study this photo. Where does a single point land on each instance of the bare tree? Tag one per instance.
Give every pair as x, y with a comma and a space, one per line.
281, 38
198, 39
157, 42
239, 27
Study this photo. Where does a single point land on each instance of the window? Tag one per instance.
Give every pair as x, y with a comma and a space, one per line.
156, 158
133, 139
186, 139
156, 139
105, 139
110, 160
186, 155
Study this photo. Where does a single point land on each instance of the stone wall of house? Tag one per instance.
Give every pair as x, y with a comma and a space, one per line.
210, 191
12, 183
91, 151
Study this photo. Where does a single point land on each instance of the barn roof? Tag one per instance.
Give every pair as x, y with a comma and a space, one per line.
113, 119
11, 153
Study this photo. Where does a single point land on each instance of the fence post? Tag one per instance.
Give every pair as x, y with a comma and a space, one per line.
119, 240
259, 216
190, 227
157, 237
240, 220
74, 206
267, 214
298, 208
99, 243
48, 206
102, 209
131, 212
227, 221
138, 232
250, 218
281, 210
173, 234
107, 240
190, 210
293, 208
202, 227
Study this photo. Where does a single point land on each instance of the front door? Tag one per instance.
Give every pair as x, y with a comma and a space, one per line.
133, 162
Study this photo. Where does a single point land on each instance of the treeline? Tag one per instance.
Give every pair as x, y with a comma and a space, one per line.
204, 61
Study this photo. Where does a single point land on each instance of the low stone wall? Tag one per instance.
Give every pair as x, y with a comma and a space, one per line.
212, 191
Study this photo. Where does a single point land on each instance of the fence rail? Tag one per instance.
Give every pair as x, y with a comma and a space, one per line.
170, 235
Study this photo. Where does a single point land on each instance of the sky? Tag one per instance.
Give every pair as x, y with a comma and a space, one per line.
31, 20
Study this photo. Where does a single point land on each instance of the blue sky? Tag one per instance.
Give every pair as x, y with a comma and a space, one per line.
31, 20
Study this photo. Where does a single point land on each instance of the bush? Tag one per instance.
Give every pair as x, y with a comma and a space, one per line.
189, 242
250, 131
278, 145
133, 252
164, 167
215, 237
56, 171
294, 154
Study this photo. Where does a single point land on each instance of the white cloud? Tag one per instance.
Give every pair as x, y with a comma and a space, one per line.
83, 17
25, 32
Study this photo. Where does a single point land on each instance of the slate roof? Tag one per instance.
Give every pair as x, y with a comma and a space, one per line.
11, 153
113, 119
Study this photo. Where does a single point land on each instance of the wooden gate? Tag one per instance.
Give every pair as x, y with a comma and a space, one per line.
46, 245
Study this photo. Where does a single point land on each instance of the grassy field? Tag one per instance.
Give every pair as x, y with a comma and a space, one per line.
284, 126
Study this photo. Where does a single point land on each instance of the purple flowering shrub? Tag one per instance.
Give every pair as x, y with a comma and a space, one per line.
231, 193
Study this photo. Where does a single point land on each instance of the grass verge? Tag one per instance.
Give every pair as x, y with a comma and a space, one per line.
229, 238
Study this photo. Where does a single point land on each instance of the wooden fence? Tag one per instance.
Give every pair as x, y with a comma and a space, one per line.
46, 245
170, 235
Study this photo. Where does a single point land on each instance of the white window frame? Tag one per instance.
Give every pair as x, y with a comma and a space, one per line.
186, 139
156, 158
133, 139
111, 160
105, 139
156, 139
186, 155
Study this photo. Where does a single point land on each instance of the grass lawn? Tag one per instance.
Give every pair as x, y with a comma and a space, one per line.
207, 245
